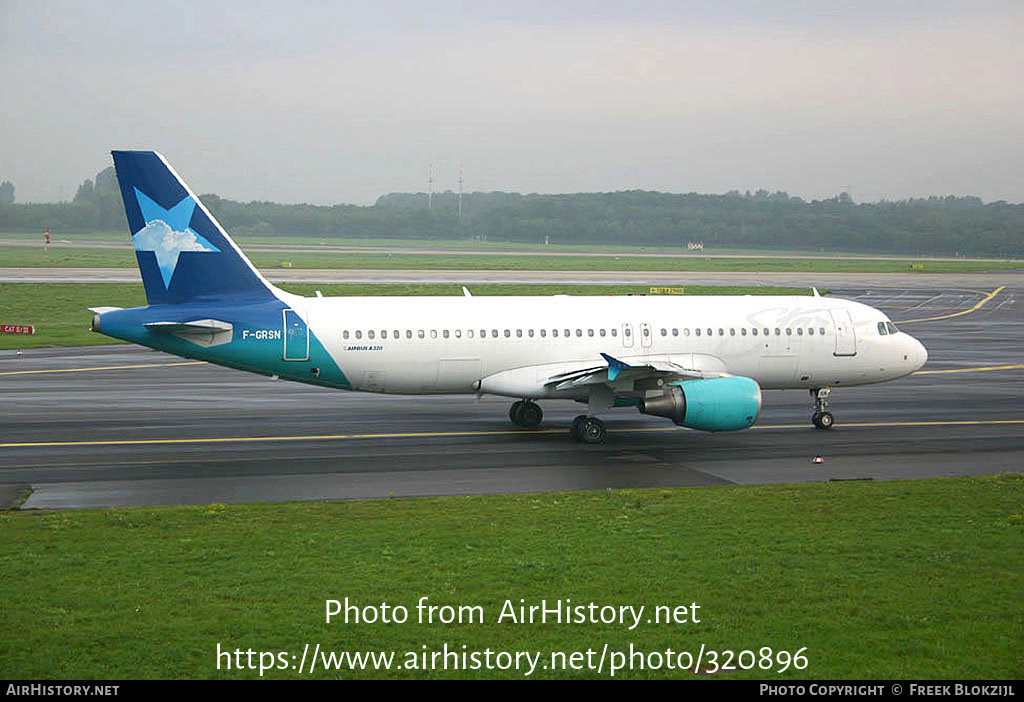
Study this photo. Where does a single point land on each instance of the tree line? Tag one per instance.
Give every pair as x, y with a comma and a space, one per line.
764, 220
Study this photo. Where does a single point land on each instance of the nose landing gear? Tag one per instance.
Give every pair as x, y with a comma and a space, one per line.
821, 418
526, 414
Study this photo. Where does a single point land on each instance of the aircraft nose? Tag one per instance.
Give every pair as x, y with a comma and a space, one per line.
919, 354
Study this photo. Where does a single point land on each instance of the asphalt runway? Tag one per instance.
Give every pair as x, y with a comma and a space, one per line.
119, 425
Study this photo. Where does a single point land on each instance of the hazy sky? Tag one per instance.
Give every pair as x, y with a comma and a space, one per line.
340, 102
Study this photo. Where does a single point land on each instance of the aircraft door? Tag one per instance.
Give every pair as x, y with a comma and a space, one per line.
627, 335
846, 338
296, 337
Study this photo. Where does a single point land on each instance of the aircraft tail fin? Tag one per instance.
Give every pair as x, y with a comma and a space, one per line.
183, 253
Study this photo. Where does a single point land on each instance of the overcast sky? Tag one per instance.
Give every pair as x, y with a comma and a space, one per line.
340, 102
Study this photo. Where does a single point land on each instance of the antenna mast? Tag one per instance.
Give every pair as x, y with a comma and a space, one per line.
430, 187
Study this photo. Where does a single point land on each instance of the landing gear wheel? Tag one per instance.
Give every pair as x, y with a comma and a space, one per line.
525, 413
823, 420
576, 431
530, 415
588, 430
593, 431
515, 413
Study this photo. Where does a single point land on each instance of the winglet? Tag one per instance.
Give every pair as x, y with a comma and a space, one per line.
615, 366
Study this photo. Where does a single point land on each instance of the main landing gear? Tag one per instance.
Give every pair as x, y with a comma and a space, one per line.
588, 430
526, 414
821, 418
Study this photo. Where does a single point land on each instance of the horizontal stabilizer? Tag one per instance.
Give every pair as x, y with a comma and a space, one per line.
104, 310
199, 325
202, 332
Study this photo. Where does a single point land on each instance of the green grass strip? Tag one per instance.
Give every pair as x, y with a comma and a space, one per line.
895, 579
95, 257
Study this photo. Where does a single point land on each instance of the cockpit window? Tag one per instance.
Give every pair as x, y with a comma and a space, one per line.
881, 329
892, 327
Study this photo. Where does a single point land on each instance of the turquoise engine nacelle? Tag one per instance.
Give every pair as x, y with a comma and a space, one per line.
717, 404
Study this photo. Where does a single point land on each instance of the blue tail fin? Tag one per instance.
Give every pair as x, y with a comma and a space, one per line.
184, 254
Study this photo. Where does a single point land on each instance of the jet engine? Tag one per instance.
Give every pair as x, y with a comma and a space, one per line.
716, 404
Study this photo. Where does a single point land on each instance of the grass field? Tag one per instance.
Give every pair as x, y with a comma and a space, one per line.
95, 257
454, 244
60, 311
917, 579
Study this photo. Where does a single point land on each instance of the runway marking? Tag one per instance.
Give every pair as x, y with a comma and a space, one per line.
988, 296
456, 434
978, 369
103, 368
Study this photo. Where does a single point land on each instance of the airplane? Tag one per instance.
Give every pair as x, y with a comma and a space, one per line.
699, 361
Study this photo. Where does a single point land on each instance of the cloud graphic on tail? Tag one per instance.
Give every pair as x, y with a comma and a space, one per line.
167, 233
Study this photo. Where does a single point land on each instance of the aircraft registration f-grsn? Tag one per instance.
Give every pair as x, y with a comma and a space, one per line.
698, 361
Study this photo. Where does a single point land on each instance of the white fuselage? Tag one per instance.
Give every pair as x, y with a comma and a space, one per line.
456, 344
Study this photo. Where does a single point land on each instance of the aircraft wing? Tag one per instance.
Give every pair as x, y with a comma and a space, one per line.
623, 374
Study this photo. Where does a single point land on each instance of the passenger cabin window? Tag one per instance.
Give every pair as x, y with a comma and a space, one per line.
359, 335
344, 334
615, 332
433, 333
421, 333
